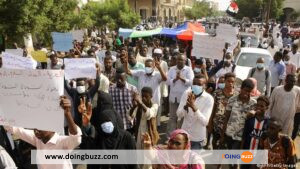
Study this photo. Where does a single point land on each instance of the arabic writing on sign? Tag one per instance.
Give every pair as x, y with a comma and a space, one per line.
27, 94
11, 61
80, 68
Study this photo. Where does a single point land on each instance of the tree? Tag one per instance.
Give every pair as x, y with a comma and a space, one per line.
111, 13
38, 17
252, 8
199, 10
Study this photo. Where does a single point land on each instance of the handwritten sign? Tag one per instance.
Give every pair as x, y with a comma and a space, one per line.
80, 68
11, 61
207, 47
17, 52
62, 41
78, 35
30, 99
39, 56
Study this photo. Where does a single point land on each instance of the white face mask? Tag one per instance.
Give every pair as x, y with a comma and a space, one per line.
148, 70
80, 89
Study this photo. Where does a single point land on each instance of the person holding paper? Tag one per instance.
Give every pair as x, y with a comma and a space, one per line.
49, 140
80, 92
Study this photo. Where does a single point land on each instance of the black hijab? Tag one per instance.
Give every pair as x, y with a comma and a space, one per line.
109, 141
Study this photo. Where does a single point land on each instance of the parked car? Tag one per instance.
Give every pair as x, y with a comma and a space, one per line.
246, 60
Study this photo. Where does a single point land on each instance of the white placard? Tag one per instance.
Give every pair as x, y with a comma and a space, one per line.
80, 68
17, 52
30, 99
207, 47
227, 33
78, 35
11, 61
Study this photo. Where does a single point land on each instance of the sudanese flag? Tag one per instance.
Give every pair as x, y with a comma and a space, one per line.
233, 9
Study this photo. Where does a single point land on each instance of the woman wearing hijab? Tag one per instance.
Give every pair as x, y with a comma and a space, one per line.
107, 136
254, 92
179, 140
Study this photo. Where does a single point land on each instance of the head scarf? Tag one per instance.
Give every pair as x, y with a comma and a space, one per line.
254, 92
109, 141
185, 156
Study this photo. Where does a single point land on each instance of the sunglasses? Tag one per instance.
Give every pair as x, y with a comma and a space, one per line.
174, 142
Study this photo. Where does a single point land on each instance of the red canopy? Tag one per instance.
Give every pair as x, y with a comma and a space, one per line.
189, 32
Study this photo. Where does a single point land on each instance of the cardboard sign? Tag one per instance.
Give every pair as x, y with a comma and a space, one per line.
11, 61
62, 41
30, 99
39, 56
80, 68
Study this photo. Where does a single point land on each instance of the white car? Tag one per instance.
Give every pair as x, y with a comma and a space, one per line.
246, 60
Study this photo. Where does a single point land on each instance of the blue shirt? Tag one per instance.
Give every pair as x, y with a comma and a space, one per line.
277, 72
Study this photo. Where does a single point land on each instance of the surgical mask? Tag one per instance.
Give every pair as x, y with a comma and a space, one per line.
197, 70
107, 127
260, 65
221, 85
80, 89
286, 62
148, 70
197, 89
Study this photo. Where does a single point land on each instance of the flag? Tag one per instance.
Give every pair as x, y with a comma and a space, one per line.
233, 9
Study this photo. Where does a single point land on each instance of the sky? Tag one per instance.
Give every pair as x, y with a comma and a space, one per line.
223, 4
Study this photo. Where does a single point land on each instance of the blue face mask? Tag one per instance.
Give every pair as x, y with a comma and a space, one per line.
197, 89
107, 127
148, 70
197, 70
221, 85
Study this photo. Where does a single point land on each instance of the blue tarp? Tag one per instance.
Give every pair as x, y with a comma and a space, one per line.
125, 32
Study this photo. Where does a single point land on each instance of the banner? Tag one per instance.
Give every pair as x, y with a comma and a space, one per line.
31, 99
80, 68
78, 35
39, 56
62, 41
11, 61
207, 47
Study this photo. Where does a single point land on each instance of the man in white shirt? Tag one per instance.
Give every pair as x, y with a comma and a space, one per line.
6, 162
148, 77
54, 63
48, 140
195, 107
157, 55
295, 56
180, 78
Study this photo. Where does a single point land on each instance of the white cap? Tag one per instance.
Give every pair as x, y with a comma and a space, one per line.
158, 51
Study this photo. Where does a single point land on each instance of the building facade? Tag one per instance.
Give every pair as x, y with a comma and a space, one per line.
290, 6
162, 10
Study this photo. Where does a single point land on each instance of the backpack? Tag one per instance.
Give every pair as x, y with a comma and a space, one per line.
266, 73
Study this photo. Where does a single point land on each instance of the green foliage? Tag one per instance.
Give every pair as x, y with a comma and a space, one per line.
199, 10
39, 17
111, 13
251, 8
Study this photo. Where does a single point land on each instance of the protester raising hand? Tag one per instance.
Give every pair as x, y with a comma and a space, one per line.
65, 103
86, 117
82, 106
147, 141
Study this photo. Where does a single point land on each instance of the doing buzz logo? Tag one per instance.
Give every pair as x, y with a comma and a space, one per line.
246, 156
